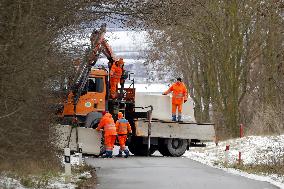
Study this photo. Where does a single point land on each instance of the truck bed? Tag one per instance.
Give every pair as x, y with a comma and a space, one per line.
170, 129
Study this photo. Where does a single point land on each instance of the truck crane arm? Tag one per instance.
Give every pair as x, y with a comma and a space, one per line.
98, 45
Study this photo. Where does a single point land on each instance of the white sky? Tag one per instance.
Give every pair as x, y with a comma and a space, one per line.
127, 39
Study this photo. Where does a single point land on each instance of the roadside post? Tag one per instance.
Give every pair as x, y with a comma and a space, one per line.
241, 135
80, 154
227, 154
149, 129
67, 160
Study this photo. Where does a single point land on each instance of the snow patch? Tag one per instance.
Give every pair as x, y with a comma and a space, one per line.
6, 182
254, 150
54, 183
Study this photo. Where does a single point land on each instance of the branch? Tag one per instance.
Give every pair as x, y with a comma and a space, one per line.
7, 115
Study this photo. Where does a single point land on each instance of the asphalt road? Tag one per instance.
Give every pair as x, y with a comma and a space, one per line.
166, 173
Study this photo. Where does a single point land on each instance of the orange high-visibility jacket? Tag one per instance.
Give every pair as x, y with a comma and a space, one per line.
107, 123
123, 126
115, 72
179, 92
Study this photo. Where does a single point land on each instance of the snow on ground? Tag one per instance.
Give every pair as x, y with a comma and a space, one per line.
59, 182
54, 183
6, 182
254, 150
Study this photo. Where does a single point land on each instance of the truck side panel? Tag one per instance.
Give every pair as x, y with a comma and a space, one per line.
176, 130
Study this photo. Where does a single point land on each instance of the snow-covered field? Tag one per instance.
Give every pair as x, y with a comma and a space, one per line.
254, 150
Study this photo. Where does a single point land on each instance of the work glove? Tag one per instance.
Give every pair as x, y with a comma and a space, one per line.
184, 101
129, 135
110, 59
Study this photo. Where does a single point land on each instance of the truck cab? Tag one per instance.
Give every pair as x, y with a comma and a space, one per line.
93, 97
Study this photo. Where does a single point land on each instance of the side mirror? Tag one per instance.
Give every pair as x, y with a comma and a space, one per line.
129, 75
125, 75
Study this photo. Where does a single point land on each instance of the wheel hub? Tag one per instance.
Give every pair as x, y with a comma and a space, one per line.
176, 143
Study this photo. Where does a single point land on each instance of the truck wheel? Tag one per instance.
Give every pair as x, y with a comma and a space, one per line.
137, 148
132, 148
92, 119
176, 146
162, 147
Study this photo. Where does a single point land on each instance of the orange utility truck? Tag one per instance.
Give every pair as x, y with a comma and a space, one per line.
90, 96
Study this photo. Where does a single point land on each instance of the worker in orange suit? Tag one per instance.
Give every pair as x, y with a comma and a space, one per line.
179, 97
108, 125
123, 128
115, 75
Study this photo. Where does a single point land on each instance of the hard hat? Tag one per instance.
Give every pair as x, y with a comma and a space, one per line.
120, 115
108, 115
120, 61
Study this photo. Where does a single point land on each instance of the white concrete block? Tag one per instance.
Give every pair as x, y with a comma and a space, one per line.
162, 106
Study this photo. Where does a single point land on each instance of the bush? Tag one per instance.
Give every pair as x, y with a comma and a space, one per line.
266, 121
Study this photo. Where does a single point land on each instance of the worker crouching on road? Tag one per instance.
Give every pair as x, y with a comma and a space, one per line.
179, 97
115, 75
107, 124
123, 128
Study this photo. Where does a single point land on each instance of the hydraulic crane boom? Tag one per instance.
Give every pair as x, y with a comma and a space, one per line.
98, 45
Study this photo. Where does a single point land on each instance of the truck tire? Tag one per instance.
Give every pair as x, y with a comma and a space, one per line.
92, 119
162, 147
176, 146
137, 148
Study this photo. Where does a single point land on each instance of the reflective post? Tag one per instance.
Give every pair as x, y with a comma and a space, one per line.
149, 129
241, 135
227, 154
67, 161
80, 153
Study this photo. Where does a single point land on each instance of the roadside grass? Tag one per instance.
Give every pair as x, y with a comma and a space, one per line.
85, 181
31, 173
81, 169
37, 174
274, 167
260, 168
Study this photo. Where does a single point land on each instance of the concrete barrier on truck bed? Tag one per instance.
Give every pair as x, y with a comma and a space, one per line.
162, 106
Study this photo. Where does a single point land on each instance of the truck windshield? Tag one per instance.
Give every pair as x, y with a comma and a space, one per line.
96, 84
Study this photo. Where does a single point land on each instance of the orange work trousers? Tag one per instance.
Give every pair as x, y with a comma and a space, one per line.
113, 86
122, 140
175, 107
109, 142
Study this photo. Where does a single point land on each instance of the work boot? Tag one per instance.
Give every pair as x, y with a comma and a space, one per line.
126, 153
110, 154
119, 154
174, 118
179, 118
105, 155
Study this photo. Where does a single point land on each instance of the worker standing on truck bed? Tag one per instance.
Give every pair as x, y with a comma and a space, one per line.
107, 124
115, 75
123, 128
179, 97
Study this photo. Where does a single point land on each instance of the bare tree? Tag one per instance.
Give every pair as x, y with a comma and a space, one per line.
35, 60
215, 46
